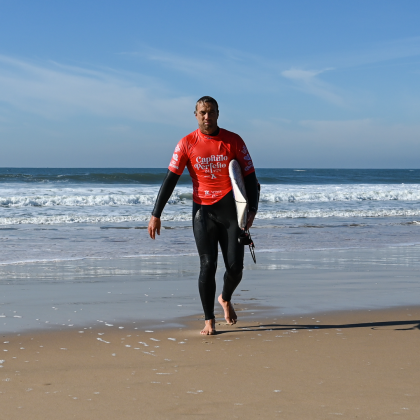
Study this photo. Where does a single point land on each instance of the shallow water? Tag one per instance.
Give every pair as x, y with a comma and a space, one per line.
155, 289
26, 243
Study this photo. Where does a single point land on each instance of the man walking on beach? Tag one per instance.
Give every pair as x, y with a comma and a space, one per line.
207, 153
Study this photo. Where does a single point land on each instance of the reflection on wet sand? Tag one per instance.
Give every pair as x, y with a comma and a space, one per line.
85, 292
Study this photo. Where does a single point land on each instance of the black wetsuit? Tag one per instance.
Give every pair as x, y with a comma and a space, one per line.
213, 224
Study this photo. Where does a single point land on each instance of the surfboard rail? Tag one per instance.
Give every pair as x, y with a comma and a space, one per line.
239, 192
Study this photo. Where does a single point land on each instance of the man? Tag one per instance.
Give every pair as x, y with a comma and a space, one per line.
207, 153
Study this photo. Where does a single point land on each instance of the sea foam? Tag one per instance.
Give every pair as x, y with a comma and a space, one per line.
85, 197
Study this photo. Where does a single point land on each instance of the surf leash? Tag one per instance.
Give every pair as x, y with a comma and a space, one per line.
245, 239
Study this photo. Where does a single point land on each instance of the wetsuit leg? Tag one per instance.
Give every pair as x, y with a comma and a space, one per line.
206, 238
232, 250
215, 224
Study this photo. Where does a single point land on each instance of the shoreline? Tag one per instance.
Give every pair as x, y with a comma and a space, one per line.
346, 364
124, 290
247, 313
194, 254
251, 314
32, 243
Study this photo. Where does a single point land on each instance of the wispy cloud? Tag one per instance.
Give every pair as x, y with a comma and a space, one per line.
189, 65
53, 90
379, 53
235, 70
302, 75
244, 72
308, 82
223, 68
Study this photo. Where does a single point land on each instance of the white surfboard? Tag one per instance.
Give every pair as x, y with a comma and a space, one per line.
239, 192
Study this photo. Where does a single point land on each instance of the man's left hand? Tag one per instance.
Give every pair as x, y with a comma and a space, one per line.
250, 221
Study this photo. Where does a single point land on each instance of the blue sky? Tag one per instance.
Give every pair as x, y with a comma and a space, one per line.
306, 83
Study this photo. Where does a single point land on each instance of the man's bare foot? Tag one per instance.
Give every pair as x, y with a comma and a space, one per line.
230, 314
209, 327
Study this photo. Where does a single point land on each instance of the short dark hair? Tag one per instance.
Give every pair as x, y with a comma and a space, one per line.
208, 100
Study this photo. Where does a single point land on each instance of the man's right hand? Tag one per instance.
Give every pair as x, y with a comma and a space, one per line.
154, 226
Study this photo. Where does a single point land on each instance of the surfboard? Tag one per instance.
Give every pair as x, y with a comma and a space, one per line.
239, 192
241, 201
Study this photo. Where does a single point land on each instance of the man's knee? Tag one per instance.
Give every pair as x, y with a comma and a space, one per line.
208, 266
235, 270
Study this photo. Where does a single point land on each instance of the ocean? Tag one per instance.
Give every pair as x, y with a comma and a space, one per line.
75, 249
66, 214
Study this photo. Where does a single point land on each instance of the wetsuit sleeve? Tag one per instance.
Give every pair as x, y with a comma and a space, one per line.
252, 191
165, 192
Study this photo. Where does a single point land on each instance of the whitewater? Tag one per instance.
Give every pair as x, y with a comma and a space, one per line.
92, 204
55, 214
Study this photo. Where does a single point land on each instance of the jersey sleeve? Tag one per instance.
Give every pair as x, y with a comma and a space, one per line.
179, 158
244, 158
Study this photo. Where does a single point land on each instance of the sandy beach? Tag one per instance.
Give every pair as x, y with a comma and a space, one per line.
321, 334
353, 364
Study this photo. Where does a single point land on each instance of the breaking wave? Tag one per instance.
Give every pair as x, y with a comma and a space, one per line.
79, 200
269, 194
333, 193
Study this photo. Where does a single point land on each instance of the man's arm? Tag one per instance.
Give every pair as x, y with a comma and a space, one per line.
253, 194
165, 192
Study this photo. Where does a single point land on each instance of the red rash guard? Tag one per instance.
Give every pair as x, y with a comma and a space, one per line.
207, 158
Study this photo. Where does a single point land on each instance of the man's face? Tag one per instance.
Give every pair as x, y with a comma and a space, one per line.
207, 115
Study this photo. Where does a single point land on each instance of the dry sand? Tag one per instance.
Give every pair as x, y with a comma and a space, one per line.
348, 365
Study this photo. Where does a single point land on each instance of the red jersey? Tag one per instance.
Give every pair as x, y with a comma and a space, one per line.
207, 159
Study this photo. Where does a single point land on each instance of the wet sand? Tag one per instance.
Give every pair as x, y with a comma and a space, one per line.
353, 364
158, 289
76, 341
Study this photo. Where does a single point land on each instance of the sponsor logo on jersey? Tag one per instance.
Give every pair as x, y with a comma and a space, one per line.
177, 149
212, 194
210, 164
212, 158
173, 164
244, 150
175, 157
247, 157
247, 168
215, 193
211, 167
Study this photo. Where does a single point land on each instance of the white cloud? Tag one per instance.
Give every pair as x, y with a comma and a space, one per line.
380, 52
307, 81
243, 72
231, 70
302, 75
189, 65
226, 69
55, 91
